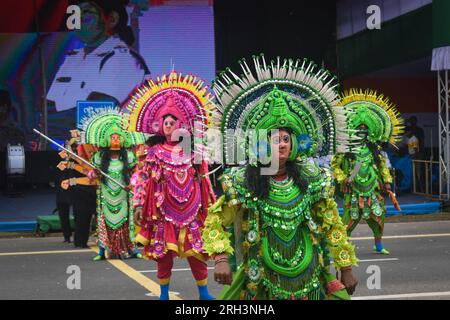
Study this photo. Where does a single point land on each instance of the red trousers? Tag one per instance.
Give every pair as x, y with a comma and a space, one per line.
199, 268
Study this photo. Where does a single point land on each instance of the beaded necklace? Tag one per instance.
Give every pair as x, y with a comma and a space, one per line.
281, 255
112, 198
177, 183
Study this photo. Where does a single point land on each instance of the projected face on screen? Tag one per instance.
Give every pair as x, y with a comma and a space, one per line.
106, 68
113, 52
92, 27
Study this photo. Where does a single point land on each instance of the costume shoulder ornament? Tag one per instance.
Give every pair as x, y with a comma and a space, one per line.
98, 126
376, 112
282, 94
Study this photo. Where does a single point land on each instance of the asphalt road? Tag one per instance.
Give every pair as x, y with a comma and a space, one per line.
37, 268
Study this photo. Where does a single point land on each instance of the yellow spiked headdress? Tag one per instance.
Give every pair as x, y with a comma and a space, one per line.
376, 112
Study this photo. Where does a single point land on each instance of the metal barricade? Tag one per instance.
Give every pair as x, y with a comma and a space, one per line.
423, 177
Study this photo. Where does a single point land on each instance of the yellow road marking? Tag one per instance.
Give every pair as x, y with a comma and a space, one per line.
409, 236
42, 252
147, 283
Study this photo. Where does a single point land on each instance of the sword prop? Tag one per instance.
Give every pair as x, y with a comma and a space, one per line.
394, 200
81, 159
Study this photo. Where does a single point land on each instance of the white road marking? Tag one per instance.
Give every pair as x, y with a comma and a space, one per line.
2, 254
405, 295
151, 294
374, 260
407, 236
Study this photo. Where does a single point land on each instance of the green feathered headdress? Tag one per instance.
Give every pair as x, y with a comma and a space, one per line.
285, 94
98, 127
376, 112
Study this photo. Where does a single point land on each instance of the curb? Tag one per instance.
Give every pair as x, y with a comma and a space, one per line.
407, 209
411, 209
14, 226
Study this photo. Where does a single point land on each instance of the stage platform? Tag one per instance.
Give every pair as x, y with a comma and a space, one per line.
19, 214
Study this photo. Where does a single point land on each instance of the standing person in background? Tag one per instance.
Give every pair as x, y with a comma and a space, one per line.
419, 134
83, 197
413, 143
415, 152
64, 198
63, 205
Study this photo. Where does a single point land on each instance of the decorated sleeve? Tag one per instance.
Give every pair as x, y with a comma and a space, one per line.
84, 181
327, 187
220, 214
336, 164
216, 239
330, 225
132, 159
81, 168
139, 181
384, 171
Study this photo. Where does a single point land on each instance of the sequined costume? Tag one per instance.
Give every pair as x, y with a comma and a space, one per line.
172, 187
114, 211
283, 242
361, 173
115, 226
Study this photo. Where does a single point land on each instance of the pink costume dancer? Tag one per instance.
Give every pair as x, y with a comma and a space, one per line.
172, 192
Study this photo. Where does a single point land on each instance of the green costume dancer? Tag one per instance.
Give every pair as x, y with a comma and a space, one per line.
286, 223
116, 158
361, 173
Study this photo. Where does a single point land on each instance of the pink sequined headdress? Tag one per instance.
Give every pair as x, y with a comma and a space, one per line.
184, 97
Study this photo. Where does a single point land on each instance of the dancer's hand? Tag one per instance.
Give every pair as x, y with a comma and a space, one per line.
222, 270
63, 154
92, 174
137, 216
349, 280
63, 165
387, 187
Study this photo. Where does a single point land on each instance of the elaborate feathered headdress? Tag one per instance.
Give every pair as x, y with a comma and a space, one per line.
184, 97
285, 94
376, 112
97, 128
